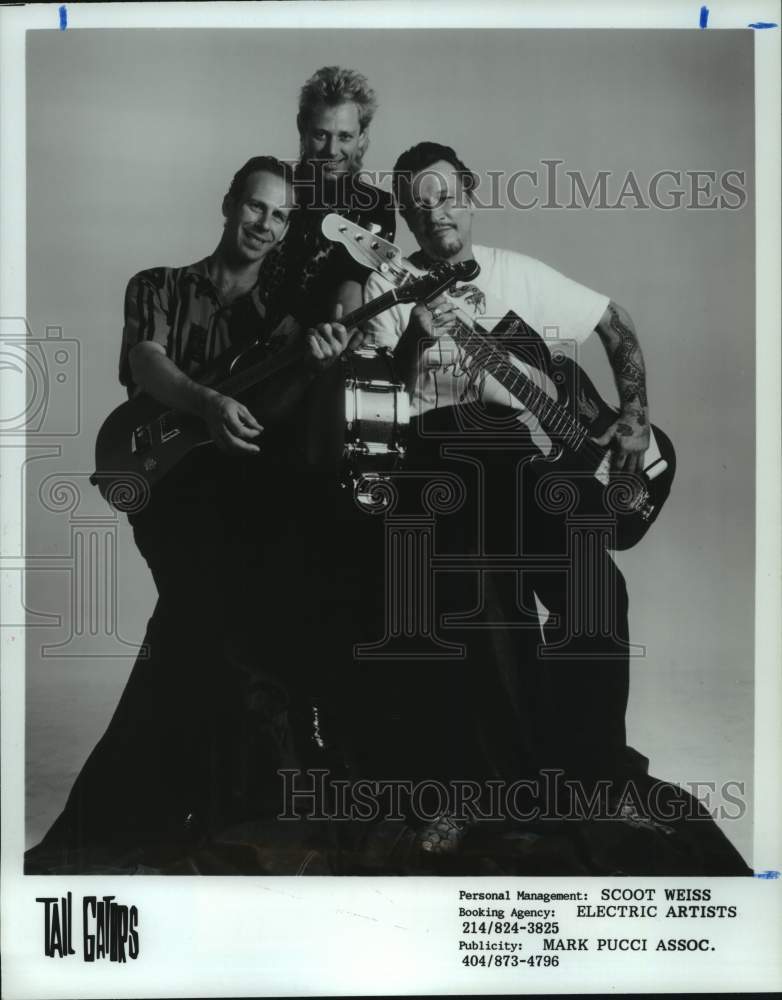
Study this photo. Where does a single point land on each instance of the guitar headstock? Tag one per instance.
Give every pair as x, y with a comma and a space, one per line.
437, 281
368, 249
380, 255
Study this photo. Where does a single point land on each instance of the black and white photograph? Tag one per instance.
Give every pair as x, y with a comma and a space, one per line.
391, 492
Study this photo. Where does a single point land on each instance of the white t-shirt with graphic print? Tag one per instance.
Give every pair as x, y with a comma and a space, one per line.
552, 304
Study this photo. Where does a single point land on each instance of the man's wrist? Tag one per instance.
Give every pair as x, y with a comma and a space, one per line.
203, 397
634, 410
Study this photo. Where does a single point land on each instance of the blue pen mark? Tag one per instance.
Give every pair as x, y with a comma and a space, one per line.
763, 24
771, 874
63, 17
704, 21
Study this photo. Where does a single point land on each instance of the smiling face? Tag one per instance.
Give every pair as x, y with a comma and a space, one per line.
256, 222
439, 212
332, 138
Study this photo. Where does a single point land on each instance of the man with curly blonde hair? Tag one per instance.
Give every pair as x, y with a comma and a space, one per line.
336, 108
309, 273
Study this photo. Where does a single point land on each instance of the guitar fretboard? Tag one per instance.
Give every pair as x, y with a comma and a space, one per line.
485, 355
257, 373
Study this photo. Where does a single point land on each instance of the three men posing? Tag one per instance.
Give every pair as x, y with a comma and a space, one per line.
237, 551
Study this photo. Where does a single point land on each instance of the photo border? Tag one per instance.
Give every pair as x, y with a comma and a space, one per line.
757, 966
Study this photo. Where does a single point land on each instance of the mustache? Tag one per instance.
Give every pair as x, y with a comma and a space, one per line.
353, 159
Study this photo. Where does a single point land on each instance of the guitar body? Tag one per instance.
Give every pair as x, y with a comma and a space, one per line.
142, 441
559, 481
630, 504
130, 462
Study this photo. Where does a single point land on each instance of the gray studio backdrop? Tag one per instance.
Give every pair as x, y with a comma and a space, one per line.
132, 138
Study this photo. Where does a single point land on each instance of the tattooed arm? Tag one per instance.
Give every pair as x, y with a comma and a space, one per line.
629, 434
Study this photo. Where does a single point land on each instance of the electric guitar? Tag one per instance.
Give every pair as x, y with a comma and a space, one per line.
142, 440
561, 407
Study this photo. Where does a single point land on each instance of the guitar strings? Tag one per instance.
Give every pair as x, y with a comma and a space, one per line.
562, 424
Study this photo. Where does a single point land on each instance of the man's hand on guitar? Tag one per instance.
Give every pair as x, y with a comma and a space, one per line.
430, 320
231, 424
325, 342
629, 438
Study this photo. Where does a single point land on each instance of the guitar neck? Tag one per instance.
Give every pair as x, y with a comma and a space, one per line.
249, 377
485, 355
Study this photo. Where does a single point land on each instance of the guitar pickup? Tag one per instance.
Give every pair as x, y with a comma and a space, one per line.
142, 440
168, 429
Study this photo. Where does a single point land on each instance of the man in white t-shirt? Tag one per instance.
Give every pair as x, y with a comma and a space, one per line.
575, 703
433, 190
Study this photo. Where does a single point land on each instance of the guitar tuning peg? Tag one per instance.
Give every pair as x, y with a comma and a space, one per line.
374, 228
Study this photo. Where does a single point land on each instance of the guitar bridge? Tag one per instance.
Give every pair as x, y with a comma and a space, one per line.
643, 506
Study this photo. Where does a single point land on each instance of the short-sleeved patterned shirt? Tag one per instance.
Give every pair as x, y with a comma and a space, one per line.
180, 309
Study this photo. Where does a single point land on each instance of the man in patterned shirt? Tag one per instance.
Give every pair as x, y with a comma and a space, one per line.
150, 770
179, 320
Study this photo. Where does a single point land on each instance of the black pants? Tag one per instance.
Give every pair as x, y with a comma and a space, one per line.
521, 698
200, 728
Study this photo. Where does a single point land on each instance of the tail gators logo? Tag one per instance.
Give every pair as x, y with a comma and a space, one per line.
109, 929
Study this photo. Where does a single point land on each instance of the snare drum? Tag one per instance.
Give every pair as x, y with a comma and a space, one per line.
359, 416
377, 412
